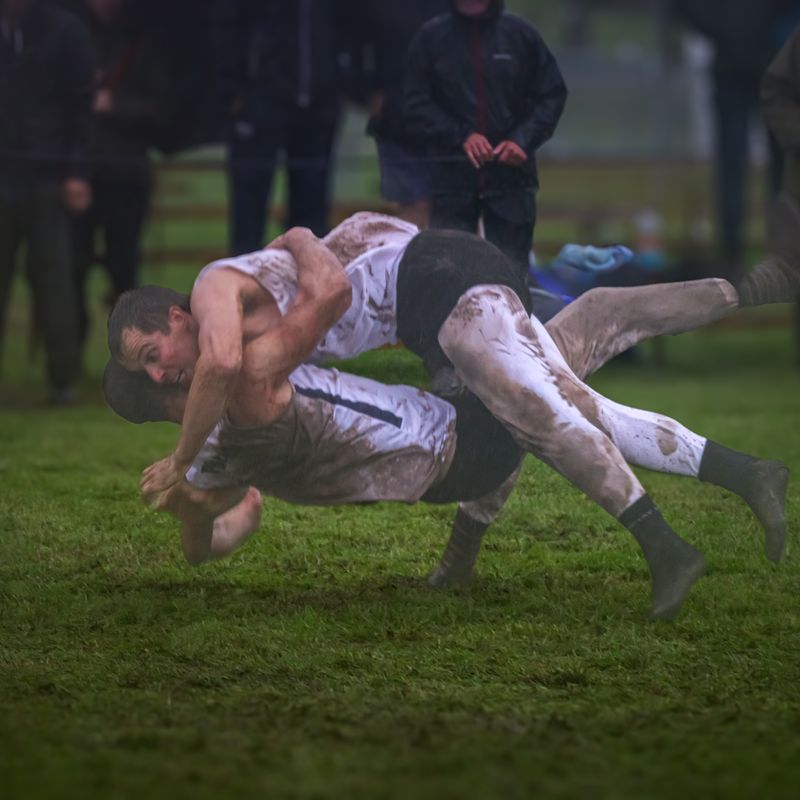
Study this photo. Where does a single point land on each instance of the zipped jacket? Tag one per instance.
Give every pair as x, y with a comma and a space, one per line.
46, 74
278, 53
493, 75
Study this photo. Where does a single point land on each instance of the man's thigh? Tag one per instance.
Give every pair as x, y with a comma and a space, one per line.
606, 321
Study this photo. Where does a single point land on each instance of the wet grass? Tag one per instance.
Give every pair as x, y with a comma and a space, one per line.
315, 663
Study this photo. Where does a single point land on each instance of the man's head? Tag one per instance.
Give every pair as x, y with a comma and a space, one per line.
151, 330
137, 399
476, 9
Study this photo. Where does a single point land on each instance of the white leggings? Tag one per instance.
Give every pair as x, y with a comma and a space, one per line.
513, 365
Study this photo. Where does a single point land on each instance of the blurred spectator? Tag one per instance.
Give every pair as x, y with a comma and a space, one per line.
780, 102
482, 83
278, 79
389, 27
45, 93
129, 87
745, 34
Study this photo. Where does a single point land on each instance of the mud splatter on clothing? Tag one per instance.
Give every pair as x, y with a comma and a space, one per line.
343, 439
370, 247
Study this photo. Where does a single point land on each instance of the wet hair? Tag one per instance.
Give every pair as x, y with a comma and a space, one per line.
134, 396
146, 309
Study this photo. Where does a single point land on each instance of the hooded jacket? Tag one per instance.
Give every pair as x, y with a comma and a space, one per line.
492, 75
46, 74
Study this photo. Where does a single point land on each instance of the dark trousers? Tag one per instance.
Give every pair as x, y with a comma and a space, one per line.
514, 237
735, 105
119, 208
305, 136
32, 213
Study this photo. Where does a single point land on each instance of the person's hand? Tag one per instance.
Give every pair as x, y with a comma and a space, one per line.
77, 195
478, 150
159, 477
103, 101
292, 238
375, 104
510, 153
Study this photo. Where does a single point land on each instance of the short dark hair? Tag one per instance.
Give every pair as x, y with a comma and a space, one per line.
146, 309
133, 395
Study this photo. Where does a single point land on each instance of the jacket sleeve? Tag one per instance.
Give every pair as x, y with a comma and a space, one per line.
76, 74
426, 121
780, 94
546, 104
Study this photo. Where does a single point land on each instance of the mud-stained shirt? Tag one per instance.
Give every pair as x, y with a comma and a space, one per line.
343, 439
370, 247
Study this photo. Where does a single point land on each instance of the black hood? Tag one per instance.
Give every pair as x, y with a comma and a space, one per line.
492, 12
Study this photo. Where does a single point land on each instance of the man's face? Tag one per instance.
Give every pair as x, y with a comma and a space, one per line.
165, 357
473, 8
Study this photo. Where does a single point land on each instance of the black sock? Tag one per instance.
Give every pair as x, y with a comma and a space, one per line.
726, 468
772, 280
761, 484
458, 559
674, 564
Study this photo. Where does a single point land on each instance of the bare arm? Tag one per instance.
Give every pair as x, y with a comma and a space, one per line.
217, 308
324, 294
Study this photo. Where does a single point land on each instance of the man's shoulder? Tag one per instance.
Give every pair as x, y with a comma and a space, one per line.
222, 276
513, 24
436, 26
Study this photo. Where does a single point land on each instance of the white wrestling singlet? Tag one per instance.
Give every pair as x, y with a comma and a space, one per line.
343, 439
370, 246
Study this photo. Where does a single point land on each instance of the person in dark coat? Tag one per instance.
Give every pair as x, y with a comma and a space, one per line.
278, 80
780, 103
388, 28
745, 35
483, 93
129, 91
45, 92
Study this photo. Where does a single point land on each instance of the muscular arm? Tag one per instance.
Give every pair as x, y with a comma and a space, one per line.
217, 308
323, 295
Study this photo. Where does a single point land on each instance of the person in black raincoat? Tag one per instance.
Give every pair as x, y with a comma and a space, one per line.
483, 93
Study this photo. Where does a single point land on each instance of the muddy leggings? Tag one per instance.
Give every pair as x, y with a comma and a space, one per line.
516, 368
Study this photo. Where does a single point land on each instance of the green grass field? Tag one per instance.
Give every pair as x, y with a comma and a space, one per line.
315, 663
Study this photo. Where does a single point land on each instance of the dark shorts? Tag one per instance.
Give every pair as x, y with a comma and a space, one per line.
405, 176
437, 268
486, 454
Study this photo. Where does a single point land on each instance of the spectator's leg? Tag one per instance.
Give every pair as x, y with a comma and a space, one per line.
50, 274
252, 160
84, 228
733, 106
514, 238
10, 237
126, 209
458, 212
310, 156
